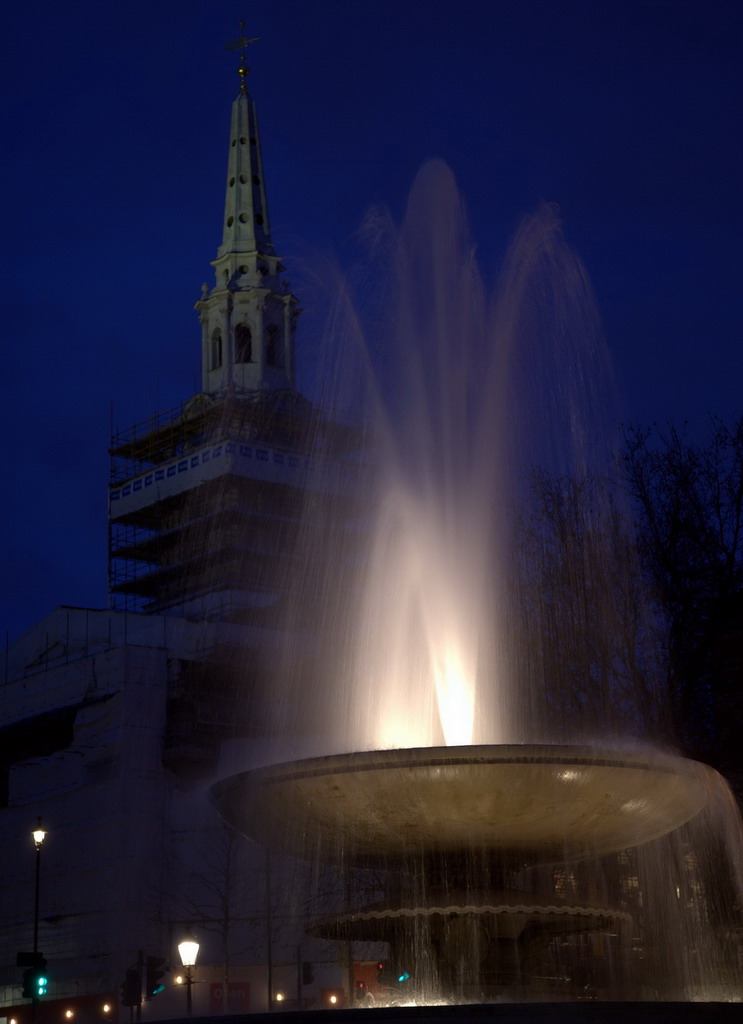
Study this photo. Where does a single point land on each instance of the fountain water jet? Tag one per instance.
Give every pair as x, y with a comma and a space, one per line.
417, 613
431, 647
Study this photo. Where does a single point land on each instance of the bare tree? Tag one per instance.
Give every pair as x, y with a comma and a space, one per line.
586, 636
260, 906
220, 890
689, 499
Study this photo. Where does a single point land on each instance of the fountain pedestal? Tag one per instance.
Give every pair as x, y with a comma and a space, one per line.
451, 827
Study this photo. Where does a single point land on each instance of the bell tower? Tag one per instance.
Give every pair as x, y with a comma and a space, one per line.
248, 317
205, 499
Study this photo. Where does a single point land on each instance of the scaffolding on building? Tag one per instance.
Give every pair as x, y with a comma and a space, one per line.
226, 533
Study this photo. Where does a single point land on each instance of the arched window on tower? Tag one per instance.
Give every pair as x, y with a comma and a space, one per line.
215, 350
274, 349
243, 344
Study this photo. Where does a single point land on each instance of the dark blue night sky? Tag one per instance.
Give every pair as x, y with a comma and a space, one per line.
626, 113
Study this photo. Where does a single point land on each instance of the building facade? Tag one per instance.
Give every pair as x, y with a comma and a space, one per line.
115, 722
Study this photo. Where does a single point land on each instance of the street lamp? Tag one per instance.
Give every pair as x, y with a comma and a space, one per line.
38, 836
188, 950
34, 980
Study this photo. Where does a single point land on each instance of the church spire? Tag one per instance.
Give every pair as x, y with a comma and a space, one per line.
246, 225
248, 318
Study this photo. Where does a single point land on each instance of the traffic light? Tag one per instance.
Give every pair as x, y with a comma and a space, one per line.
155, 967
392, 973
308, 973
131, 988
35, 981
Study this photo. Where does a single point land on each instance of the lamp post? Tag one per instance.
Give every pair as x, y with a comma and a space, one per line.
38, 835
188, 950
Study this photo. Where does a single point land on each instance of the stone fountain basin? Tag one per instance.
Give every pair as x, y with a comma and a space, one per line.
541, 801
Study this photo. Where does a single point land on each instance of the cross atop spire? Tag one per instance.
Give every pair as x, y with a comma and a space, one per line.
242, 44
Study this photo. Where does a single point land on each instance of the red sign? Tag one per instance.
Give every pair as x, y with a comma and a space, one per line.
238, 997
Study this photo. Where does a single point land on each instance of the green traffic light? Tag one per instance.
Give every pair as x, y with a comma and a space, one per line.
41, 985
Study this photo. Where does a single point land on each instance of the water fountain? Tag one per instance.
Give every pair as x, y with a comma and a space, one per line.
450, 826
452, 753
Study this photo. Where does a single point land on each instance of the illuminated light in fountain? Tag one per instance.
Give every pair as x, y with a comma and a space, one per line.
422, 627
454, 695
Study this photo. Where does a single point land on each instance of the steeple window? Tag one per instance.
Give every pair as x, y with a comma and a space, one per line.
243, 344
215, 350
274, 351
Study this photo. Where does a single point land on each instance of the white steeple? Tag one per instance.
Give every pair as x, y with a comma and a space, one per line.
248, 317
